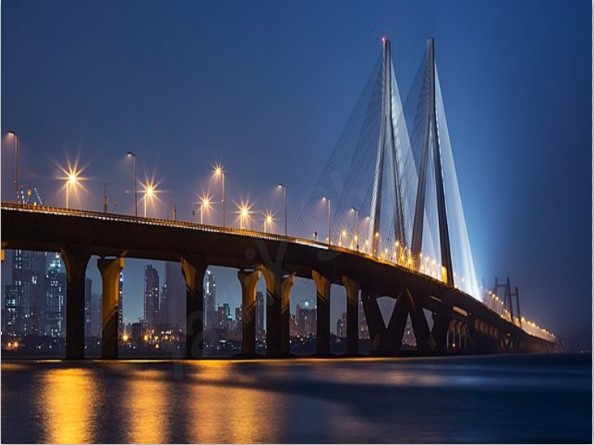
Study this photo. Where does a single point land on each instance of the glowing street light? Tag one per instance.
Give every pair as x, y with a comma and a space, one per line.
282, 186
149, 192
220, 173
133, 156
204, 204
325, 198
244, 213
71, 181
16, 149
356, 227
268, 221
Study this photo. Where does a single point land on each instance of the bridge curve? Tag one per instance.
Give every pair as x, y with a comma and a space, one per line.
77, 234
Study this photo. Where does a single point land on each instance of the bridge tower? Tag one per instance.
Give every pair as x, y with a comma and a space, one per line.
508, 300
431, 149
387, 159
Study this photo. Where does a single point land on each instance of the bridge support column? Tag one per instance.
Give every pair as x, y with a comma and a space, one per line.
425, 342
278, 297
110, 269
193, 270
323, 313
249, 281
286, 285
352, 313
441, 323
75, 260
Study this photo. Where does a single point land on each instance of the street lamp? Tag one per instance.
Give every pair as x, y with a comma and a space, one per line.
204, 204
244, 213
71, 181
281, 185
105, 199
133, 156
219, 172
268, 220
149, 192
325, 198
16, 149
356, 227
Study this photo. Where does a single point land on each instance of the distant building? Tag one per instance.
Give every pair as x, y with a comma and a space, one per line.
88, 306
55, 298
96, 311
173, 296
341, 326
151, 295
224, 317
210, 296
363, 329
260, 316
120, 304
306, 319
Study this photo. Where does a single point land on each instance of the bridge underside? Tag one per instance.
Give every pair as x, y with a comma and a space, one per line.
458, 323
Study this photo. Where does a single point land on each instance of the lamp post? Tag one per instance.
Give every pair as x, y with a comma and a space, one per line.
105, 200
281, 185
133, 156
356, 227
244, 213
268, 218
204, 204
328, 199
219, 172
71, 181
16, 177
149, 192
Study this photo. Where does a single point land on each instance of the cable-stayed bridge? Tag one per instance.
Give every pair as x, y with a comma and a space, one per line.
385, 219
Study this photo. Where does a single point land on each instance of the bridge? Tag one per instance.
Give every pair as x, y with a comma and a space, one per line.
413, 245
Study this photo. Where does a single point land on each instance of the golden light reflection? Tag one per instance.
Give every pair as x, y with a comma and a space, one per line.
146, 397
67, 402
226, 411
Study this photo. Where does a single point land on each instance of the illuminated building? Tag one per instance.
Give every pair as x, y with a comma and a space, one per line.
151, 295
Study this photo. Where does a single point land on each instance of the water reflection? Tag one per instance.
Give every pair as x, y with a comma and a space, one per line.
222, 408
147, 410
437, 400
67, 403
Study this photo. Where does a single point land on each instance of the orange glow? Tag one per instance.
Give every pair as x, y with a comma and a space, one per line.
67, 399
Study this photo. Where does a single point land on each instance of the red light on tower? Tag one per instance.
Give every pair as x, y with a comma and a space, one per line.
383, 40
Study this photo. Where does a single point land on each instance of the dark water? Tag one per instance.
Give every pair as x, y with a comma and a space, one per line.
463, 399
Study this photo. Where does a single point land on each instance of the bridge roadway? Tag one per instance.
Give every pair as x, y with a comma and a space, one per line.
460, 324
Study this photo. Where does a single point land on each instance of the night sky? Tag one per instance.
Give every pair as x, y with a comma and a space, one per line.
266, 88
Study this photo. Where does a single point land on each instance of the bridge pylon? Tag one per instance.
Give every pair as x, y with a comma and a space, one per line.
387, 158
431, 150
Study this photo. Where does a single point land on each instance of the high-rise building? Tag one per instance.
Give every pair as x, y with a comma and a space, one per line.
341, 326
88, 306
121, 304
259, 316
55, 298
306, 318
151, 295
210, 295
96, 311
12, 297
173, 296
363, 329
224, 316
24, 300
